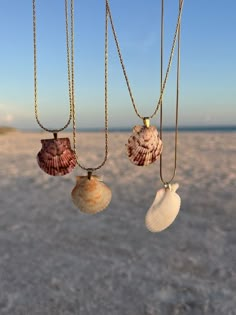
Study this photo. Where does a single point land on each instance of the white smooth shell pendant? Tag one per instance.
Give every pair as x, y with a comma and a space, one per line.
164, 209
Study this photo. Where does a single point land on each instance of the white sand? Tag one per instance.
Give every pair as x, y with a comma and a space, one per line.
55, 260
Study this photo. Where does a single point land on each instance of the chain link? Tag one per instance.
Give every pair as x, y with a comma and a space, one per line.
124, 69
35, 72
105, 106
177, 95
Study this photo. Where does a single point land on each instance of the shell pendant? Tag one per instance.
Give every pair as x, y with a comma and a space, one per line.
164, 209
56, 157
144, 145
90, 194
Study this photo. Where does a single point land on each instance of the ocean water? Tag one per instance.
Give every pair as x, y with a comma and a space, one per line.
229, 128
189, 129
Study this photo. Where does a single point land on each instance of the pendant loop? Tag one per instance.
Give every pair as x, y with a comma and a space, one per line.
146, 122
167, 186
90, 172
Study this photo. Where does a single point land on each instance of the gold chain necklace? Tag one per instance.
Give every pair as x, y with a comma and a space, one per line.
90, 194
166, 204
145, 145
166, 183
92, 169
56, 156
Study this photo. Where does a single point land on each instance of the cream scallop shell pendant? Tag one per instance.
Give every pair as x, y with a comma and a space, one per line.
90, 195
164, 209
144, 146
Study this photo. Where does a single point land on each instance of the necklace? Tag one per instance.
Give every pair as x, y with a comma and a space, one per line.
90, 194
145, 145
56, 156
166, 204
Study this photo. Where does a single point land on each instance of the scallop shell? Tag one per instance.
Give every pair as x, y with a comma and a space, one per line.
164, 209
56, 156
90, 195
144, 146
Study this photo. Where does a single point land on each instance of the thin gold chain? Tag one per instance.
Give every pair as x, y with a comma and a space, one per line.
70, 52
105, 106
35, 72
177, 96
124, 69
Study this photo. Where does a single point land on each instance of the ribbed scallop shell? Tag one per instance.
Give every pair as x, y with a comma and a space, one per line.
144, 146
164, 209
91, 195
56, 156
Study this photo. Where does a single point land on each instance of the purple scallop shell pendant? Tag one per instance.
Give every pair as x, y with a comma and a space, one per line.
56, 157
144, 145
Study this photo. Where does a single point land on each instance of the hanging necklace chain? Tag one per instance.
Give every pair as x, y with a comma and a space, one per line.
70, 53
166, 183
124, 69
35, 72
105, 102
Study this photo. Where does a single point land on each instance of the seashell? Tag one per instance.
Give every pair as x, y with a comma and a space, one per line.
164, 209
144, 146
90, 195
56, 156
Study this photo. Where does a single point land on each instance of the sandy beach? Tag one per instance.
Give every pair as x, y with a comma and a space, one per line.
56, 260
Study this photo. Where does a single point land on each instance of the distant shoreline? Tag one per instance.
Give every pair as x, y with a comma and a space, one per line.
6, 129
167, 129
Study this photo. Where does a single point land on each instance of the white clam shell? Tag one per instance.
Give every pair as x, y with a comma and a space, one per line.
164, 209
90, 195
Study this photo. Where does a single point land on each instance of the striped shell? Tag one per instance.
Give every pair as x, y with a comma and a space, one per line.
144, 146
90, 195
56, 156
164, 209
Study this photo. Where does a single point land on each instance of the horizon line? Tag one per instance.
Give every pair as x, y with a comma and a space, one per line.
168, 128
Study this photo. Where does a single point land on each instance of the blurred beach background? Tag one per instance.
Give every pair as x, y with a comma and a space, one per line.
54, 260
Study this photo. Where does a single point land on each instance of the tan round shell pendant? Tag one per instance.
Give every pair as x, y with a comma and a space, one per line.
164, 209
144, 146
90, 195
56, 157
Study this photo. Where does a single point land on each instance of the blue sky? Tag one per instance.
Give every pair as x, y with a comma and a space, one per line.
208, 62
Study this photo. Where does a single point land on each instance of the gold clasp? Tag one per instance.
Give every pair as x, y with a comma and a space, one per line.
146, 122
167, 186
90, 171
